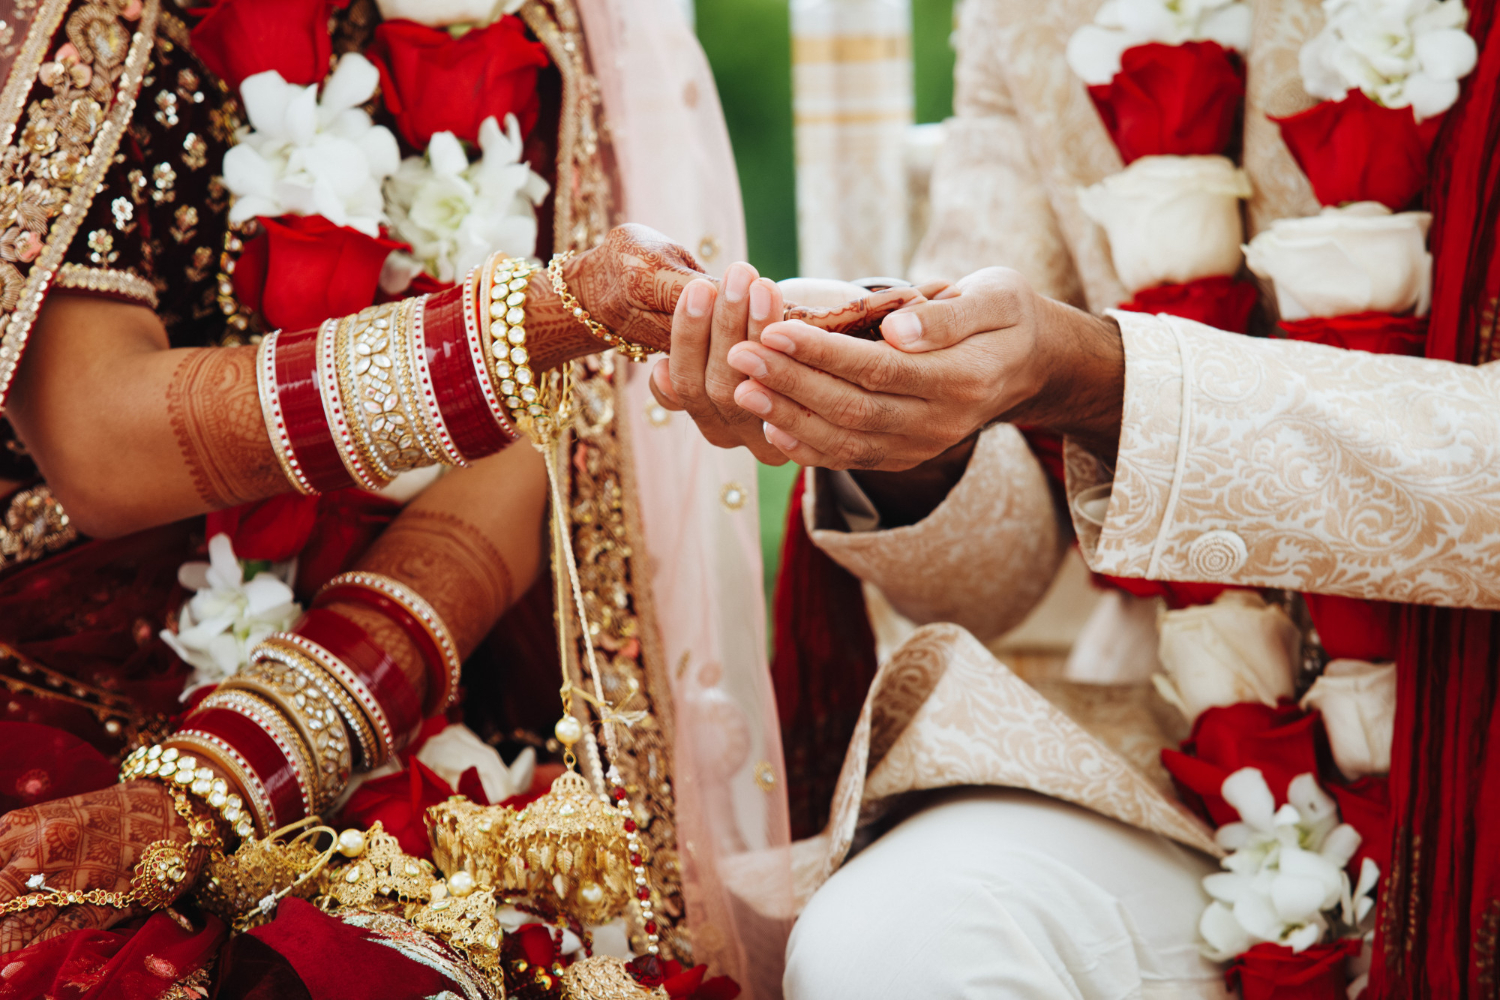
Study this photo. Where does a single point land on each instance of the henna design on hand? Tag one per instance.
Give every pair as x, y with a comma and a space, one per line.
632, 281
859, 318
215, 412
89, 841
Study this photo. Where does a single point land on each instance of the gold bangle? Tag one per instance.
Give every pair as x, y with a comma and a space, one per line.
173, 767
257, 802
634, 352
279, 728
316, 718
539, 405
384, 741
355, 724
333, 387
389, 426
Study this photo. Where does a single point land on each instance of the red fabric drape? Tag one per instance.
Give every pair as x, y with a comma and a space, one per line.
1439, 923
821, 667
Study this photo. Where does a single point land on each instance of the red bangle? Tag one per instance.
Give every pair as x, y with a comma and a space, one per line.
374, 667
276, 771
417, 619
475, 424
308, 436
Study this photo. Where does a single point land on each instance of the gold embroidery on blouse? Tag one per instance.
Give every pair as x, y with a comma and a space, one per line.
163, 182
124, 213
186, 223
1486, 944
166, 108
194, 151
102, 247
198, 270
69, 142
101, 279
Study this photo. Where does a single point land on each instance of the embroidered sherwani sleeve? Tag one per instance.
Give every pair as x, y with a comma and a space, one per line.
982, 559
1282, 464
989, 205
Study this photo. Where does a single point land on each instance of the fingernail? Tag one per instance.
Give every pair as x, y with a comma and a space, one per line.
698, 296
754, 401
760, 301
737, 283
778, 342
905, 327
780, 438
747, 362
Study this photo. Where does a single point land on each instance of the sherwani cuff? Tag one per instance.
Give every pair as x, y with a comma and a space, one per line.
981, 559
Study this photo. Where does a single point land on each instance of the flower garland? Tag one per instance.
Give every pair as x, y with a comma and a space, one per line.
1295, 903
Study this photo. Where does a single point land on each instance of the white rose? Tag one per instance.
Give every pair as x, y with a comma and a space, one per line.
1170, 218
441, 13
1358, 702
1358, 258
1094, 50
1236, 649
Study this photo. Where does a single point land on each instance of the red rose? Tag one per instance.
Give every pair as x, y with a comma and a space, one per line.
1281, 741
302, 269
400, 803
1221, 302
1275, 972
436, 83
1366, 806
1177, 595
1355, 150
274, 530
1180, 100
1377, 333
239, 38
1350, 628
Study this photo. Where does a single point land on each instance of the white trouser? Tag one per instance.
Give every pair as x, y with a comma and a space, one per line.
993, 894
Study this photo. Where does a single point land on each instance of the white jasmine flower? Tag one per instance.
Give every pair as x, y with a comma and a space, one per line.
1094, 50
455, 213
1285, 880
1399, 52
311, 154
228, 615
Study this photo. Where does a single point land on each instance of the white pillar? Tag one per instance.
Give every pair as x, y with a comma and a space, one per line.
852, 103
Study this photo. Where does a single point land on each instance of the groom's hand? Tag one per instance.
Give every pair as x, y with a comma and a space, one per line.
987, 348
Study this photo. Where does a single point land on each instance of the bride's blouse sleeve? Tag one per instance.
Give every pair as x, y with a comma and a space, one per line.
1285, 464
983, 558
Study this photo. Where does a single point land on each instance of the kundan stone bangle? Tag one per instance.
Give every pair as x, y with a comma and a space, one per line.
172, 765
313, 713
348, 642
229, 761
408, 609
385, 738
238, 725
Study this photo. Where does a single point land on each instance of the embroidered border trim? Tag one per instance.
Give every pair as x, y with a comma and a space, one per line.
127, 284
81, 192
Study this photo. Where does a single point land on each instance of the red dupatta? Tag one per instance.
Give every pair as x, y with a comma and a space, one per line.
1439, 924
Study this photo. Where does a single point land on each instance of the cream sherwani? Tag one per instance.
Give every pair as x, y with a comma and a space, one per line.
1250, 461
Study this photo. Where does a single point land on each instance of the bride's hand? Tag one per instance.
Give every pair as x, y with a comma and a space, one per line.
631, 283
89, 841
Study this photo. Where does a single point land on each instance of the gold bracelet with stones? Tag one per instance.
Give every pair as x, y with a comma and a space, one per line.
315, 717
178, 769
256, 806
502, 298
333, 387
381, 392
356, 726
635, 352
281, 731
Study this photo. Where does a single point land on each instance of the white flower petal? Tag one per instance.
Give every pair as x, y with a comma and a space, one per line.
1227, 887
266, 96
382, 155
193, 575
1449, 54
1256, 914
301, 121
446, 154
1246, 790
222, 562
1229, 26
1093, 53
1311, 801
1340, 845
1429, 96
1225, 937
1297, 898
352, 83
265, 593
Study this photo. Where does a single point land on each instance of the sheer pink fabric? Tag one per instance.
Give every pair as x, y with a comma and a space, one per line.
676, 174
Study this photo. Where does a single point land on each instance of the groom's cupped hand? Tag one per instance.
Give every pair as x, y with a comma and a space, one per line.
984, 349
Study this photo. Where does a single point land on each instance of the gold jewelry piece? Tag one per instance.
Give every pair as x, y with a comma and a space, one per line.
231, 762
380, 395
635, 352
269, 719
244, 887
502, 300
316, 718
356, 727
383, 741
604, 977
175, 768
570, 845
333, 386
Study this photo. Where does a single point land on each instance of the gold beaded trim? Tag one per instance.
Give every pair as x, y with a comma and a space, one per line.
635, 352
126, 284
316, 718
502, 298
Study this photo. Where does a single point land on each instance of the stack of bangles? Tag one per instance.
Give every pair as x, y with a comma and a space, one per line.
279, 740
435, 379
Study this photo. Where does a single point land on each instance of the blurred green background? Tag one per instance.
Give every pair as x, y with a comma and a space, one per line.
749, 46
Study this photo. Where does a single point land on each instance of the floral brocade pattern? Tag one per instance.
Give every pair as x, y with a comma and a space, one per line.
1362, 475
